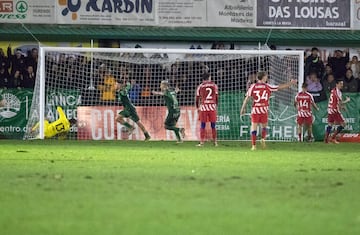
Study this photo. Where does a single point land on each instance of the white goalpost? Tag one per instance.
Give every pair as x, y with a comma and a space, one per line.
82, 82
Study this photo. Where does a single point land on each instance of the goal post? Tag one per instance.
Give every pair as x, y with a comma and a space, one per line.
82, 82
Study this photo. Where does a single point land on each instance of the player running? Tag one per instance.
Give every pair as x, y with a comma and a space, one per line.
334, 112
303, 102
260, 93
206, 101
59, 127
172, 105
129, 110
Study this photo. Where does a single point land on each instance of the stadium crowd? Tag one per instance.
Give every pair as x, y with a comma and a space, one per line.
18, 70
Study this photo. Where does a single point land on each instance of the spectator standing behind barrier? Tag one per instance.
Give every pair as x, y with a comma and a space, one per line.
313, 63
338, 63
135, 91
351, 84
313, 82
328, 70
32, 59
107, 88
17, 80
29, 78
251, 80
4, 61
4, 78
355, 66
17, 61
329, 83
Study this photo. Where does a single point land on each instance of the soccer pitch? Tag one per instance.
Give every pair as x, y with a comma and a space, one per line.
128, 187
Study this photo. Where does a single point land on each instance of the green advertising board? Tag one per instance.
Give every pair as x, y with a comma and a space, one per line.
230, 125
16, 113
14, 116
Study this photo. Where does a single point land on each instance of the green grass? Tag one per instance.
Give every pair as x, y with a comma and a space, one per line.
68, 187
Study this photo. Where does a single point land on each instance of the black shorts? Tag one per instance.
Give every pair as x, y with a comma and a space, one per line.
129, 113
172, 118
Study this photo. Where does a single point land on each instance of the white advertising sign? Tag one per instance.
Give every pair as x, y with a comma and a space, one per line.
231, 13
106, 12
27, 11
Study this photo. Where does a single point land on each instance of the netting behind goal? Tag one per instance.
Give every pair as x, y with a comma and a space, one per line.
83, 82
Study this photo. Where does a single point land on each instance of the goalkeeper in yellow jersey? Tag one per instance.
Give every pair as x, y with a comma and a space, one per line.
59, 127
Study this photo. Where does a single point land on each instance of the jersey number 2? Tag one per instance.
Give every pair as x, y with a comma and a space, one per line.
209, 93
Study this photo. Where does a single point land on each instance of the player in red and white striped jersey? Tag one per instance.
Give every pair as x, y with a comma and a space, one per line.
207, 97
303, 102
334, 112
260, 93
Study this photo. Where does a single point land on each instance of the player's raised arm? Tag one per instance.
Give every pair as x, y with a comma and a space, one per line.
288, 84
164, 85
157, 92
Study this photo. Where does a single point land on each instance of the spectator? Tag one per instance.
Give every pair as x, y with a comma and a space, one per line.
4, 61
29, 78
107, 88
313, 63
348, 65
328, 70
135, 91
174, 75
184, 90
123, 73
355, 66
315, 87
17, 80
314, 84
329, 83
17, 61
338, 63
32, 59
251, 80
351, 84
4, 78
146, 91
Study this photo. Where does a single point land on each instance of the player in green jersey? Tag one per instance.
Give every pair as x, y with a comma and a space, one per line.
173, 107
129, 110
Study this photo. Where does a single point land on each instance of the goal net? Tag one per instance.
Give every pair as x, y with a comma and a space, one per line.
82, 81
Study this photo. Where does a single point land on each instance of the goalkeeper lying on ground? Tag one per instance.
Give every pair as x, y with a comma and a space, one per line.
59, 127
